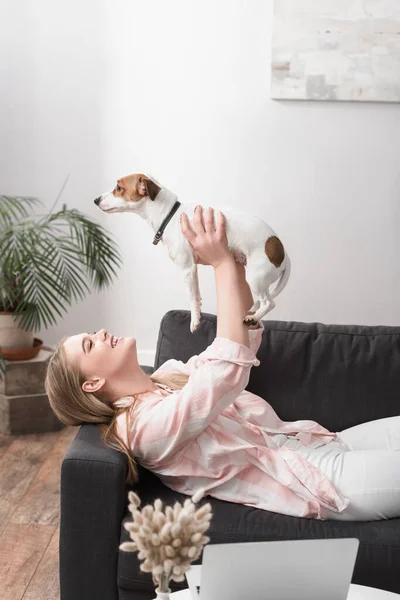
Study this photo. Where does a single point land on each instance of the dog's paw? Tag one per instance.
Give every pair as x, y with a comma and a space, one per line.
194, 323
193, 326
249, 321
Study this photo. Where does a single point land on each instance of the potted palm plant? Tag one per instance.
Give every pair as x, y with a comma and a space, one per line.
46, 262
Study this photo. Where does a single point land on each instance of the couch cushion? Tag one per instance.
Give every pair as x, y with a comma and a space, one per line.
337, 375
377, 561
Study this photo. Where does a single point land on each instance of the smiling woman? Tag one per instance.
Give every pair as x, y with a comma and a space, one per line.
109, 365
96, 378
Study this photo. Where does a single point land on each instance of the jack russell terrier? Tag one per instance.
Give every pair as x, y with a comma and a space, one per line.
250, 239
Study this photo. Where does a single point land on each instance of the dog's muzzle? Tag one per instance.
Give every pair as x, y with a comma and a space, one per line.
97, 201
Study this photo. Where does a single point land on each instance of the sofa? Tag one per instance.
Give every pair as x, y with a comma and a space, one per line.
337, 375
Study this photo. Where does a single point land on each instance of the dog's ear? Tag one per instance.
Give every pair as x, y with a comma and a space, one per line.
147, 187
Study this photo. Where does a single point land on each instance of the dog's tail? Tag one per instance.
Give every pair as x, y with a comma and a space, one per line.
283, 279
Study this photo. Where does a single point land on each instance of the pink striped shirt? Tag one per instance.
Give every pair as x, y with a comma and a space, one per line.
213, 434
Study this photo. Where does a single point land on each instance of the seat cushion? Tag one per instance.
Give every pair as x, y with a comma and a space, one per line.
378, 559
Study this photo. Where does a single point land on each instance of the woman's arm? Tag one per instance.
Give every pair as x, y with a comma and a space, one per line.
231, 302
210, 245
241, 288
244, 287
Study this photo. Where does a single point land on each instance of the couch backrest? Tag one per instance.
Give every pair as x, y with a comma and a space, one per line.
337, 375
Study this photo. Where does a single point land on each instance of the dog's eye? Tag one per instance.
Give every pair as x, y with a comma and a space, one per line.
118, 188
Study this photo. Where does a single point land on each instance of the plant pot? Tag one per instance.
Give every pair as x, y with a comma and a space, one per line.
12, 336
23, 353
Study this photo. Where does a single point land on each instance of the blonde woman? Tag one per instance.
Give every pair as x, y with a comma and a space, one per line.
195, 426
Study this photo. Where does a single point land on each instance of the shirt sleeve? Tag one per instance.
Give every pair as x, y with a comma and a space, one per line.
255, 338
166, 427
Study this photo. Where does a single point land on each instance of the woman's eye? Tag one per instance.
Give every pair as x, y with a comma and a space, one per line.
90, 346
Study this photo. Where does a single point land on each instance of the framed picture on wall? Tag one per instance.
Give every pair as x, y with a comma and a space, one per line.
336, 50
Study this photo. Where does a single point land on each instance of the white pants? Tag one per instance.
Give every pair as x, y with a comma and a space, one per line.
364, 466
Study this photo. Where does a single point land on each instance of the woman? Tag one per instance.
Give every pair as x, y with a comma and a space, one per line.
195, 426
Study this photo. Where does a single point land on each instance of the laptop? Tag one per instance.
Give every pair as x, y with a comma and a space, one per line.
289, 570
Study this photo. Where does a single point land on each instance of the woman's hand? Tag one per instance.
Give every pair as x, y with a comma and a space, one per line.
207, 240
210, 247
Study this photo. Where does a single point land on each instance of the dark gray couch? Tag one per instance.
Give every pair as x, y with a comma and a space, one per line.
337, 375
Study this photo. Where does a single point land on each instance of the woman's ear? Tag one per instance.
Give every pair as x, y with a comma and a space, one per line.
93, 385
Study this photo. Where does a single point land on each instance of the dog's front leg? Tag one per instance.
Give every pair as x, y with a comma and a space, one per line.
192, 284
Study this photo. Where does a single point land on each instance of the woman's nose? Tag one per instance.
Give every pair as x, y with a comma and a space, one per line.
102, 334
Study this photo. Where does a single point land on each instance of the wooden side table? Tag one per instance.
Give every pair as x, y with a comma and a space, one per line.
24, 406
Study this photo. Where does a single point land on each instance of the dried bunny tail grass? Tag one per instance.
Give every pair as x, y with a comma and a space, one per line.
147, 511
134, 527
177, 509
203, 511
167, 541
134, 499
169, 512
198, 495
129, 547
158, 504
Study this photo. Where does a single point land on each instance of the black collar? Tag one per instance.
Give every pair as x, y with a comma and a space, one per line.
167, 219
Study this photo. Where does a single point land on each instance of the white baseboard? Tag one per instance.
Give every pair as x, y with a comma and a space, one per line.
146, 357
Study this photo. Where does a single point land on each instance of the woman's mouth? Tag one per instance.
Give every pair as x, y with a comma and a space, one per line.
115, 340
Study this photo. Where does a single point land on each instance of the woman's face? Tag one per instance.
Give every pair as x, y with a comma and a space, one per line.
103, 359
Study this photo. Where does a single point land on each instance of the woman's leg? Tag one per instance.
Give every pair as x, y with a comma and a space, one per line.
369, 479
382, 434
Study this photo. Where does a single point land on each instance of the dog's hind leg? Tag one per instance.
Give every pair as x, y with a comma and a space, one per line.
253, 309
192, 285
265, 305
259, 281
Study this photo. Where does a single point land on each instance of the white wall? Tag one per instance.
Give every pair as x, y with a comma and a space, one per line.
181, 89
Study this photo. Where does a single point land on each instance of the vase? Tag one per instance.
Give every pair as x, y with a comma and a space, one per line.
162, 595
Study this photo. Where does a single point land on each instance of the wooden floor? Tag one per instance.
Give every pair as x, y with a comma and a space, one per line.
29, 513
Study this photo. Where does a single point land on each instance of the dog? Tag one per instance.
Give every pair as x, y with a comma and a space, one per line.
250, 239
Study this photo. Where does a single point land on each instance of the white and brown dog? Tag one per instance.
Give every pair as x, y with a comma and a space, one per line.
251, 240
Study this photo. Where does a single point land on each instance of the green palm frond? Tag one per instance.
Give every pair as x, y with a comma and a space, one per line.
48, 262
94, 243
14, 208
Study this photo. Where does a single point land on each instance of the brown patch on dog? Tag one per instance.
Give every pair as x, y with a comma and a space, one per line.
274, 250
134, 187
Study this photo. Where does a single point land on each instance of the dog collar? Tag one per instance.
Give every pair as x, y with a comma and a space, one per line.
167, 219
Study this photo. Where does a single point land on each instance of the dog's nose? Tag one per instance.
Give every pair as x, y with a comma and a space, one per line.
97, 201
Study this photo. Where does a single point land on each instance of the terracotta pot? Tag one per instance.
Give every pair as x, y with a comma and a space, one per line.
11, 335
23, 353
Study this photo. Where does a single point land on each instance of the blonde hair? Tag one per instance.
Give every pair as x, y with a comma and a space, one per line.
72, 406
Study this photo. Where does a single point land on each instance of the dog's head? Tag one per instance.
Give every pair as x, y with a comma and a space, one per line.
128, 193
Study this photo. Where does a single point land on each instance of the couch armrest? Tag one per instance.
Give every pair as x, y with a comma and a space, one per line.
93, 501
